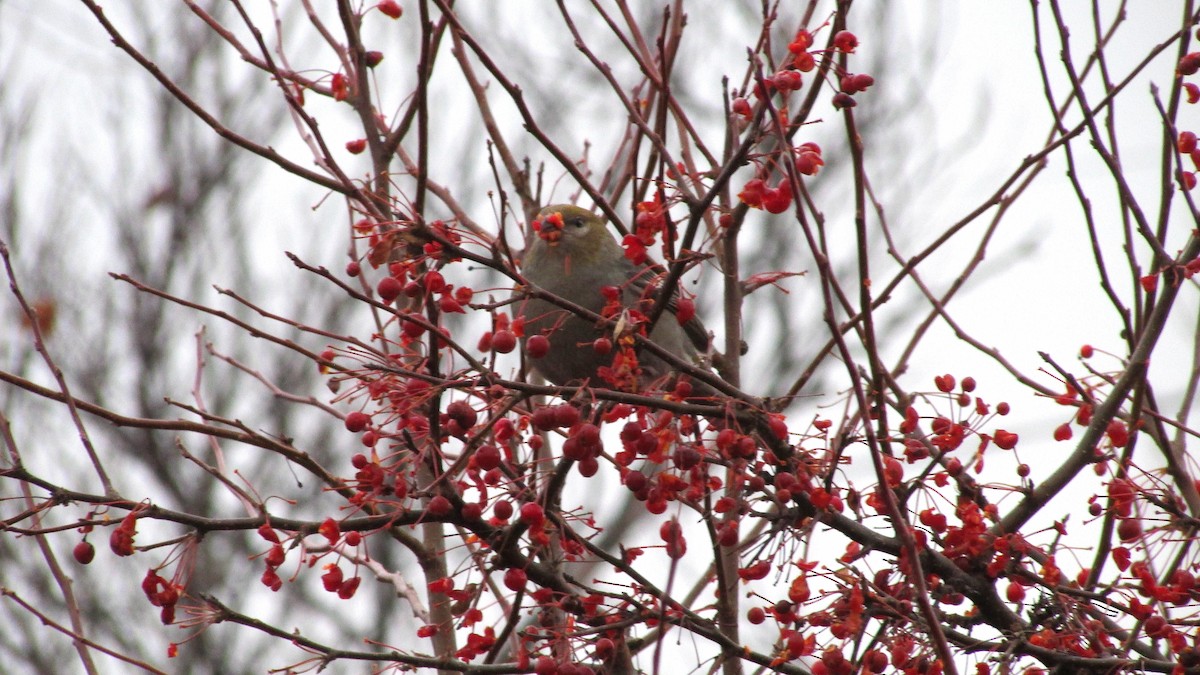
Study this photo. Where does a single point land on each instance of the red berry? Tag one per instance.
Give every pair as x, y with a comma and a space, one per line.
276, 556
1187, 179
462, 413
439, 506
566, 416
390, 8
353, 269
267, 533
588, 435
602, 346
487, 457
271, 580
605, 648
588, 466
845, 42
502, 510
348, 588
515, 579
434, 281
636, 481
944, 383
954, 467
389, 288
332, 579
544, 419
410, 327
372, 58
1063, 432
801, 43
503, 341
1189, 64
545, 665
685, 309
753, 192
672, 534
339, 85
449, 305
808, 163
532, 513
1118, 433
537, 346
779, 199
843, 100
357, 421
1186, 142
470, 511
1005, 440
84, 552
787, 80
356, 146
1129, 529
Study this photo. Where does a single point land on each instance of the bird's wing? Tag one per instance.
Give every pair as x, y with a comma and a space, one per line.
644, 283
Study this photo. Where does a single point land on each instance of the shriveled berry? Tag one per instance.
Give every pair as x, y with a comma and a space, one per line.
462, 413
845, 41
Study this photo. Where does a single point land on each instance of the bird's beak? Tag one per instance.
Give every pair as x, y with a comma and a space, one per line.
551, 229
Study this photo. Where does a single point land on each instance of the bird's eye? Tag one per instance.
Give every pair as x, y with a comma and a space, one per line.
577, 223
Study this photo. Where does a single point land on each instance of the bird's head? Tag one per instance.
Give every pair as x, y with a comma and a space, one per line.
572, 232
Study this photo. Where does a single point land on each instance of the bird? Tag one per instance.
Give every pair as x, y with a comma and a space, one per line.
574, 256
